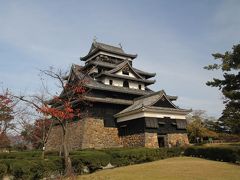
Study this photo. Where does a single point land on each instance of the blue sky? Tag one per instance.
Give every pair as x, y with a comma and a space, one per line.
173, 38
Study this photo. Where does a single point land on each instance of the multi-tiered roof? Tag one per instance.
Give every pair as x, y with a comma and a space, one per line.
112, 66
109, 70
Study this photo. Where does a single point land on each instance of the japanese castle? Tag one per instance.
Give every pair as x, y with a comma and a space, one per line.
123, 111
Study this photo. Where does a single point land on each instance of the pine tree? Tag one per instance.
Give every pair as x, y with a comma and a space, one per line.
229, 86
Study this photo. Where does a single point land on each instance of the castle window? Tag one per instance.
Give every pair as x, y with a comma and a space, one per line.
110, 82
139, 86
125, 84
125, 71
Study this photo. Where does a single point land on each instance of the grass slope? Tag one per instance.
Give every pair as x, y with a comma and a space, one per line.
180, 168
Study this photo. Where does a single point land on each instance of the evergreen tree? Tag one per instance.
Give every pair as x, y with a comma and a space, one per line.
229, 86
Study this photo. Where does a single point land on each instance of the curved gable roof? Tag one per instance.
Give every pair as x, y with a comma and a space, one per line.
147, 101
123, 65
97, 46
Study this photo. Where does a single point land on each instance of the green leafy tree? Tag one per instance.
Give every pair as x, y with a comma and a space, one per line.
197, 128
229, 86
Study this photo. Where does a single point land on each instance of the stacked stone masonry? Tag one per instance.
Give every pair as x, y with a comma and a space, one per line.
134, 140
151, 140
83, 134
91, 133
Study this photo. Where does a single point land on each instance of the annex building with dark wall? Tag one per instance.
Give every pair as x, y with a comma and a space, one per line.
122, 110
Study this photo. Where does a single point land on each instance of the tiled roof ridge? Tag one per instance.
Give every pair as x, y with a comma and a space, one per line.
96, 85
101, 45
109, 48
121, 65
148, 95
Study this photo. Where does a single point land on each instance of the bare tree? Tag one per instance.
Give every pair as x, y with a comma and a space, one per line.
60, 108
6, 112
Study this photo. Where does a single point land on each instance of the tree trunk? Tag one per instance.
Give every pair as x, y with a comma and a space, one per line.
67, 160
43, 151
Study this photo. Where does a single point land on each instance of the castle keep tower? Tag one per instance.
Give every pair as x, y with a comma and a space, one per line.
124, 112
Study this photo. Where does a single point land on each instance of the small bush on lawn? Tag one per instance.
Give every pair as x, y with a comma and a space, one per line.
92, 159
214, 153
3, 170
21, 169
45, 168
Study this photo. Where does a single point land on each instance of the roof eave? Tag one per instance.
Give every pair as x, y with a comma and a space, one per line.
151, 109
117, 89
132, 56
140, 80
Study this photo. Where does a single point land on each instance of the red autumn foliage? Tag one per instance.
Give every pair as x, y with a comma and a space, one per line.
66, 111
79, 90
6, 112
4, 141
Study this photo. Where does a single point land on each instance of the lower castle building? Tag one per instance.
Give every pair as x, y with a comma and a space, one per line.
123, 111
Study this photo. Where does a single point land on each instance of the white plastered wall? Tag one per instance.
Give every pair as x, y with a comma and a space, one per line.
150, 114
119, 83
132, 84
116, 82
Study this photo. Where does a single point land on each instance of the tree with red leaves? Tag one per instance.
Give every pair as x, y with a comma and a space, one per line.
61, 108
6, 117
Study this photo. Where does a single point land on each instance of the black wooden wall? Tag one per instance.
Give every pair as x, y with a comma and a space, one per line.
106, 112
161, 126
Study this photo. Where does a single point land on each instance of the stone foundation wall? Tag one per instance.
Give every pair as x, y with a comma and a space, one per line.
95, 135
151, 140
74, 136
178, 139
91, 133
85, 133
140, 140
134, 140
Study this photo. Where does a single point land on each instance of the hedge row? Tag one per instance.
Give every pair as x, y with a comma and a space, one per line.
21, 155
215, 153
32, 167
94, 160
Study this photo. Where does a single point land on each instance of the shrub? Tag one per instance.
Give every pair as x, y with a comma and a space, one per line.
44, 168
3, 170
29, 165
139, 155
52, 153
33, 169
21, 169
92, 159
21, 155
214, 153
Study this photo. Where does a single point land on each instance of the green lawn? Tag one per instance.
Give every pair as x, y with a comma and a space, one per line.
179, 168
